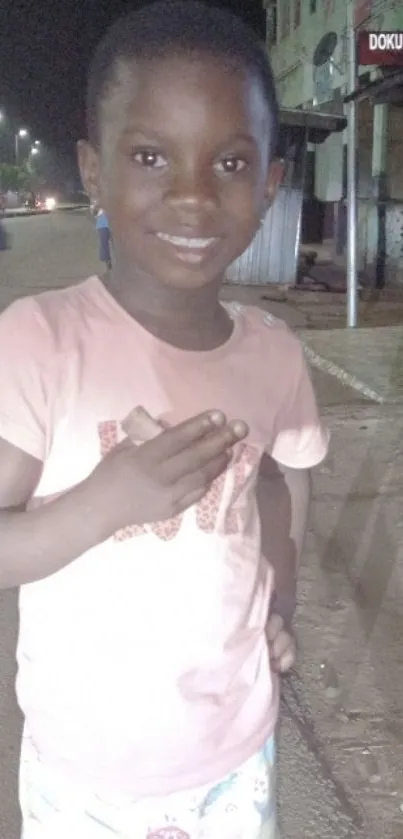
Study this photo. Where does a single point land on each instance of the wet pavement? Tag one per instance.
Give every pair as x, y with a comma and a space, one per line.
341, 733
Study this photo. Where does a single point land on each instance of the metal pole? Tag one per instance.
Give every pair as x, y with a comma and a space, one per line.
352, 284
299, 184
16, 149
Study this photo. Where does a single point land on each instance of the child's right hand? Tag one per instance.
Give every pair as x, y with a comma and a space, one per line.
166, 475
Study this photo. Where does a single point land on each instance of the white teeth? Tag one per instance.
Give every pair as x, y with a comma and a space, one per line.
181, 242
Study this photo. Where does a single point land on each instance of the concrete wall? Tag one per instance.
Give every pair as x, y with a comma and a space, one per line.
292, 52
299, 30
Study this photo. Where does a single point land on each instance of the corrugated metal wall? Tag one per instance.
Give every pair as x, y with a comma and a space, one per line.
273, 255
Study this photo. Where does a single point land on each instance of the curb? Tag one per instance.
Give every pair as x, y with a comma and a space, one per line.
326, 366
28, 213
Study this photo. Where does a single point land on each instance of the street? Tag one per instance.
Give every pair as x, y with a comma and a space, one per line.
341, 738
47, 251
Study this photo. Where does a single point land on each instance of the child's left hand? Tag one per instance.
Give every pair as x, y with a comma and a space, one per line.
282, 647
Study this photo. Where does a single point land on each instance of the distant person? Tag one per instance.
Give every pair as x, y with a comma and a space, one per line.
104, 234
3, 235
31, 201
157, 560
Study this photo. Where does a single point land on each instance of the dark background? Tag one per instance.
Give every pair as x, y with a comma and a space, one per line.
45, 47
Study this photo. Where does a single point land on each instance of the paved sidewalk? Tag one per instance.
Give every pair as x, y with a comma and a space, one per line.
25, 212
368, 360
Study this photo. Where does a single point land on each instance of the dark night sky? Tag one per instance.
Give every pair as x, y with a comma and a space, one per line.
45, 47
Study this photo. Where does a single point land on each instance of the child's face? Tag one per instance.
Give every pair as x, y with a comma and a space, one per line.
183, 168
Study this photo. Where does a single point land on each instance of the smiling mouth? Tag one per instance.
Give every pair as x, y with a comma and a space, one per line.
186, 242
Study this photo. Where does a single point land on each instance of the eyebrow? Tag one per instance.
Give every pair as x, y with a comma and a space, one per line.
147, 131
141, 129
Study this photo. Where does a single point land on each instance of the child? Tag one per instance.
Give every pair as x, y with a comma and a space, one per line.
102, 225
148, 563
3, 237
3, 234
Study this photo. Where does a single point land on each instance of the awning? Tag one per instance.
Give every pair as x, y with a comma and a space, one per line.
316, 125
388, 89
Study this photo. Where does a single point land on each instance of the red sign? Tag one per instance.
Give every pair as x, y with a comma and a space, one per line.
381, 48
363, 10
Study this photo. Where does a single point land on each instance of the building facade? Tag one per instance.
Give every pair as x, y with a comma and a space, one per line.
295, 29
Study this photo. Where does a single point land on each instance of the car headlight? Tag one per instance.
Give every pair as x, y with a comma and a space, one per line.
50, 203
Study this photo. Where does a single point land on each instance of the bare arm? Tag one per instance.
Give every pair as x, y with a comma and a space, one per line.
131, 485
283, 499
37, 543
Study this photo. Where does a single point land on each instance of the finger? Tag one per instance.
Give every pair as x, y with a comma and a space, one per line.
274, 626
140, 426
192, 488
125, 444
286, 661
197, 457
179, 437
281, 644
189, 500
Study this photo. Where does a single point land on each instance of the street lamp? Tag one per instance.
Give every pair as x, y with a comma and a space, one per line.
21, 134
34, 150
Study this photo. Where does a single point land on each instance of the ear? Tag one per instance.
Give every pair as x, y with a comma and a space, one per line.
88, 163
274, 179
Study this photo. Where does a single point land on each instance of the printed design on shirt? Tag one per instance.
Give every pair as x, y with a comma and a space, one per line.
244, 462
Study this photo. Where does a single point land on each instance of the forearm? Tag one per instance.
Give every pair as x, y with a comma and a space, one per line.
38, 543
283, 501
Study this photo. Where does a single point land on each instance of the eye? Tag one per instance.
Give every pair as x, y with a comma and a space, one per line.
231, 165
149, 159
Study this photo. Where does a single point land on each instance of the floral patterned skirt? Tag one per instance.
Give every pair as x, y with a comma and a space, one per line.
240, 806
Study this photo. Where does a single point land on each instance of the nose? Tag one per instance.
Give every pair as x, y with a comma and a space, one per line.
192, 189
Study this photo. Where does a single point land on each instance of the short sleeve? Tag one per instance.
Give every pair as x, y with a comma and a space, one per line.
25, 353
300, 441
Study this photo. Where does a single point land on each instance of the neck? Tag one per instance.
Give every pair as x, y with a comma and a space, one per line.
186, 318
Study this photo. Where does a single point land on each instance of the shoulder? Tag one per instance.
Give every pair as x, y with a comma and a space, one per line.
265, 331
35, 324
22, 323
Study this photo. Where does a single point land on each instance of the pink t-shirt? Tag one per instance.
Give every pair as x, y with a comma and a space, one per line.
143, 666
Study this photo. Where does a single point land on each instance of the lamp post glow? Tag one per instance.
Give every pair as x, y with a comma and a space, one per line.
21, 134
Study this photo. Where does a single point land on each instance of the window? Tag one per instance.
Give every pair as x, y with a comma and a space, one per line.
297, 13
312, 6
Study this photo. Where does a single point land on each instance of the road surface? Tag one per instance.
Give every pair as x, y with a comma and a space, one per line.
50, 250
341, 737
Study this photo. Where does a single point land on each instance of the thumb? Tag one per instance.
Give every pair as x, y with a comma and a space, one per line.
125, 445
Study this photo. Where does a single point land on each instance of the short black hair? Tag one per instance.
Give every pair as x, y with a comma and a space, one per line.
183, 27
